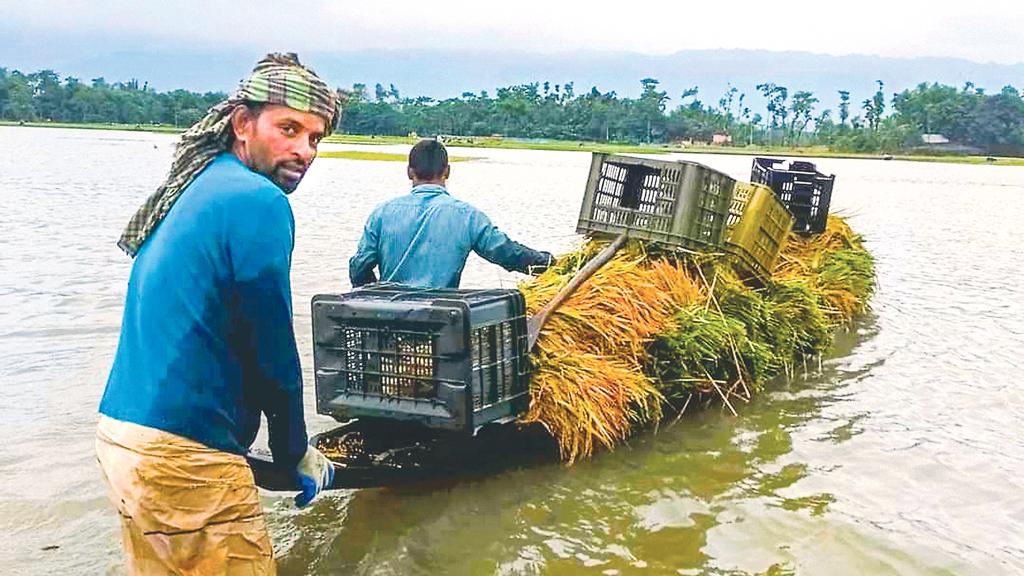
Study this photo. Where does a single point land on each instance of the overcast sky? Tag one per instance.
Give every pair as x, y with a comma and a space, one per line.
988, 31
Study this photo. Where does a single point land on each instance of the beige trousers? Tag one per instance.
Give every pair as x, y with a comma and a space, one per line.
185, 509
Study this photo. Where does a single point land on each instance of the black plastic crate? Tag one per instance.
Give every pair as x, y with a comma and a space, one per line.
449, 359
804, 191
675, 203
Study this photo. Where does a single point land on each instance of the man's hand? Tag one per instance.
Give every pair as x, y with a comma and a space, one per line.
544, 262
363, 278
314, 472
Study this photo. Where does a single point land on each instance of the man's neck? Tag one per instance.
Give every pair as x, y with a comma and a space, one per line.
440, 183
240, 152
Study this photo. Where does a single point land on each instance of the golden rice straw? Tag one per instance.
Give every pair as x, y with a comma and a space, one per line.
589, 387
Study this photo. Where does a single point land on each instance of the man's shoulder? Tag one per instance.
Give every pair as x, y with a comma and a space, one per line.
231, 183
227, 174
445, 203
463, 206
450, 202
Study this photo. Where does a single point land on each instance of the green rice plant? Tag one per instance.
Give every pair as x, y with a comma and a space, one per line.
705, 351
796, 325
846, 280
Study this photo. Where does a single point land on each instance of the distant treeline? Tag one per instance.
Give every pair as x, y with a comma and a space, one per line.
967, 116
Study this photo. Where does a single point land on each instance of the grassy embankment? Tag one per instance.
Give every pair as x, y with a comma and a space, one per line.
502, 143
574, 146
377, 156
160, 128
823, 152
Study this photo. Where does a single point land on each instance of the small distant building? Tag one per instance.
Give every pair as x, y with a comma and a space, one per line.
721, 139
939, 144
934, 139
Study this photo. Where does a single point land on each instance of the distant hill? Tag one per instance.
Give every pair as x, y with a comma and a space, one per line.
442, 74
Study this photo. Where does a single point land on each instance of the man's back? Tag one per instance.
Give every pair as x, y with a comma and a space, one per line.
189, 346
423, 239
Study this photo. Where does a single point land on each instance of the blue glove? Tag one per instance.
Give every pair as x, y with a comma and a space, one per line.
314, 473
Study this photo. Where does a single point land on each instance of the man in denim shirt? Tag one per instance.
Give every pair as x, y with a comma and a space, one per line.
424, 238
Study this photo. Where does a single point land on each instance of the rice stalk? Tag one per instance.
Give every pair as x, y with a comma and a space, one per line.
650, 328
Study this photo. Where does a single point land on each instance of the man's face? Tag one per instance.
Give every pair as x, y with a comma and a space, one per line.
280, 143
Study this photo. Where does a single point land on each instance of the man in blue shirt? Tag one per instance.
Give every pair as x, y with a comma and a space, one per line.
424, 238
207, 344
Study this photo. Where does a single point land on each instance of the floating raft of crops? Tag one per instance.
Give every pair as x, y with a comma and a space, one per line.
654, 332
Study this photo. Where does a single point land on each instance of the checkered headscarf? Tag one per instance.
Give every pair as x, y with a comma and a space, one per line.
276, 79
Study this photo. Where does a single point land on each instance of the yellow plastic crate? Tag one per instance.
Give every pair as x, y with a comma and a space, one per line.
757, 229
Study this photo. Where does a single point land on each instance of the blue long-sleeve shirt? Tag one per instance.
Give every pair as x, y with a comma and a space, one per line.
207, 342
423, 239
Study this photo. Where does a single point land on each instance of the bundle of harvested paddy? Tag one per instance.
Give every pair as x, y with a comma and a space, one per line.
616, 312
742, 337
648, 328
728, 347
796, 325
834, 266
587, 399
589, 387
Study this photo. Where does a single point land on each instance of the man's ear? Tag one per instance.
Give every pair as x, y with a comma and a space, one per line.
410, 173
447, 171
241, 122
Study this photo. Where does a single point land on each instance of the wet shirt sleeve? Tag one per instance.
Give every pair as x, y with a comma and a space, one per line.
367, 256
261, 249
495, 246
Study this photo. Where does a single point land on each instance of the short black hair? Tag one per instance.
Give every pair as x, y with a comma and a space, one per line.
428, 159
255, 108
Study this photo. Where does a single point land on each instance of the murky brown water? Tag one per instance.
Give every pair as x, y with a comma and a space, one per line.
903, 454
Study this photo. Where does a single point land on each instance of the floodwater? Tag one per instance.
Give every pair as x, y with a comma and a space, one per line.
902, 453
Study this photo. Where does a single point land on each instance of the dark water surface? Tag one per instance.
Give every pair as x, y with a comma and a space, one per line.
902, 454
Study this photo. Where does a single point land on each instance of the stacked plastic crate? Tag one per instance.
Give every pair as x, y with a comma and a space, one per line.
672, 203
757, 230
447, 359
805, 192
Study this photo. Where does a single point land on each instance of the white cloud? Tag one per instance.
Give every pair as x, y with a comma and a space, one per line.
977, 31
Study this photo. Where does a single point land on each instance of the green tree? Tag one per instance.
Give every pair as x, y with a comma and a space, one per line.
802, 107
651, 108
997, 122
824, 127
47, 94
844, 106
19, 98
874, 107
725, 106
776, 106
3, 91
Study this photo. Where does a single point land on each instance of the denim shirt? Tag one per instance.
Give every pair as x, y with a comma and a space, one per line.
424, 238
